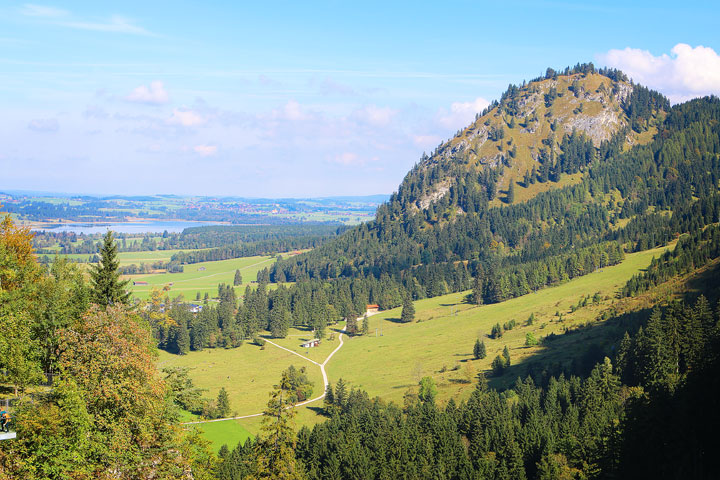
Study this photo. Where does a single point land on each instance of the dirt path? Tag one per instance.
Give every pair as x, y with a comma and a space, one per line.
322, 370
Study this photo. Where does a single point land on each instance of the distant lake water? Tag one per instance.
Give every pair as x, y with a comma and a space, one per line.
139, 227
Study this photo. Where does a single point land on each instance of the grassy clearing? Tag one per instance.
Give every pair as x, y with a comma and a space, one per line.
390, 364
229, 432
248, 373
202, 277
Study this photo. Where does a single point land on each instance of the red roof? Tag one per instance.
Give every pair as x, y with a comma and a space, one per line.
372, 306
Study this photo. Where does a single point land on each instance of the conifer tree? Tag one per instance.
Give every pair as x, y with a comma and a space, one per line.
105, 284
477, 291
182, 341
506, 356
479, 351
329, 400
223, 404
275, 447
238, 278
408, 311
511, 192
365, 325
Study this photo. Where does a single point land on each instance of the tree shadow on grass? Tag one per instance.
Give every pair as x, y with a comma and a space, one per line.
395, 320
574, 352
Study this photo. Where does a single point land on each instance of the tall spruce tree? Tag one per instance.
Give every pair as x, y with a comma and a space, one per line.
408, 311
223, 404
479, 351
106, 286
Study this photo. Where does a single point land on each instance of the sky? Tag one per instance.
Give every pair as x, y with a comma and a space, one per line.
298, 99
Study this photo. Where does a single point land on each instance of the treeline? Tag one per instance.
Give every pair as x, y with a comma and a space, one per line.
648, 414
690, 253
222, 242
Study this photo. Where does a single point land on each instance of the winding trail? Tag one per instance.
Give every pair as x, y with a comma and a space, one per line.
322, 370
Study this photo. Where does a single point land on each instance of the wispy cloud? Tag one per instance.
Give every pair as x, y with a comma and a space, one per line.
186, 118
42, 11
205, 150
44, 125
154, 94
686, 73
461, 114
64, 18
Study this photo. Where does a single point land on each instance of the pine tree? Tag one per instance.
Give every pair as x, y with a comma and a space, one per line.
340, 394
479, 351
238, 278
506, 356
106, 287
408, 311
365, 325
223, 404
182, 341
477, 291
496, 331
498, 365
275, 447
511, 192
329, 400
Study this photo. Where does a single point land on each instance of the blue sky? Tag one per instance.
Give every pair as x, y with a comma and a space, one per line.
270, 99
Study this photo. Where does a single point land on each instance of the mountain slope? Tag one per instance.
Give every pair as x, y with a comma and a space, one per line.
586, 166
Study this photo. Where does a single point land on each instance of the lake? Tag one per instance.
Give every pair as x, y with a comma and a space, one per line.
136, 227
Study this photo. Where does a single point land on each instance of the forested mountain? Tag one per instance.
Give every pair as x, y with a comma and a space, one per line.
553, 181
595, 190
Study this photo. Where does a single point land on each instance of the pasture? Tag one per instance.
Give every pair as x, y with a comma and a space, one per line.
201, 277
392, 359
442, 337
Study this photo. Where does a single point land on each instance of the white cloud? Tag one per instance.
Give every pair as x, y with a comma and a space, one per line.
44, 125
686, 73
186, 118
96, 112
154, 94
63, 18
42, 11
350, 159
426, 141
461, 114
205, 150
377, 116
293, 111
116, 24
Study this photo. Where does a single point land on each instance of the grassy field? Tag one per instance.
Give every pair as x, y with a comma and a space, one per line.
229, 432
438, 344
248, 373
202, 277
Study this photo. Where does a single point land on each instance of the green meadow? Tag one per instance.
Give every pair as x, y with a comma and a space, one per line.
440, 342
201, 277
248, 373
390, 361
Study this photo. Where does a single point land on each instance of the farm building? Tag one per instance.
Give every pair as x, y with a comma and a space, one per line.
201, 269
140, 282
372, 308
194, 308
312, 343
